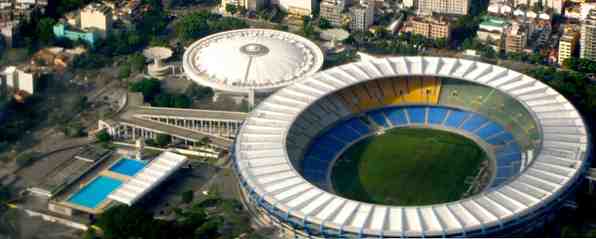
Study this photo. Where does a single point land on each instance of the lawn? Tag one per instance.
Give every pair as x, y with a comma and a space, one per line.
408, 166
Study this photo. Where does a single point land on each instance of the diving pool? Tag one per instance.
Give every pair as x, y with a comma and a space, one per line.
95, 192
127, 167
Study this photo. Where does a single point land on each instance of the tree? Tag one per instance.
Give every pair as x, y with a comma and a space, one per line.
198, 92
149, 87
103, 136
187, 196
162, 100
25, 159
163, 140
181, 101
324, 23
132, 222
124, 71
231, 8
44, 30
137, 62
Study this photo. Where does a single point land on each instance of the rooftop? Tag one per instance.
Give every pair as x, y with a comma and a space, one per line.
259, 59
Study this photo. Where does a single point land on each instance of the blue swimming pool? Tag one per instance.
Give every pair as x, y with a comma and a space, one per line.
95, 192
127, 167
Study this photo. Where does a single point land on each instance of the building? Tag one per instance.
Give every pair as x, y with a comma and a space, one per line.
588, 37
567, 44
430, 27
266, 61
19, 80
9, 31
298, 7
96, 17
457, 7
62, 31
333, 11
491, 31
361, 17
252, 5
555, 5
409, 3
288, 180
516, 38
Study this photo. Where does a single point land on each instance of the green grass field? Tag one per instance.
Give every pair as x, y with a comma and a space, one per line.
408, 166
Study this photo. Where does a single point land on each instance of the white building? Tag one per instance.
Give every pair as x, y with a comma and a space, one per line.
588, 37
298, 7
459, 7
361, 17
19, 79
556, 5
97, 17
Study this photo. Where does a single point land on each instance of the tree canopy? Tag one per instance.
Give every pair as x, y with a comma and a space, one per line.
202, 23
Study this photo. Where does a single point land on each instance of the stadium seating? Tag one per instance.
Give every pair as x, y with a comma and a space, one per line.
436, 115
379, 117
327, 146
396, 116
455, 118
417, 115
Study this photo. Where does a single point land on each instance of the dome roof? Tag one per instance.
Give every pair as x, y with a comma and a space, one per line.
259, 59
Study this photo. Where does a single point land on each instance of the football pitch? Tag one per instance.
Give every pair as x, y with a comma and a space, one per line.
408, 166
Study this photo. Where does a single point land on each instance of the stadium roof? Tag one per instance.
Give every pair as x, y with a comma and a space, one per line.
148, 178
259, 59
263, 163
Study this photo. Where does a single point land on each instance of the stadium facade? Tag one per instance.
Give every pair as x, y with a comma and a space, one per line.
286, 147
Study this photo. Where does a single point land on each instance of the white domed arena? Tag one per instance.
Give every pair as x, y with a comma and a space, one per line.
303, 151
258, 60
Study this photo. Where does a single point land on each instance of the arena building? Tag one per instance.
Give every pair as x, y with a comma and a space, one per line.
536, 143
251, 60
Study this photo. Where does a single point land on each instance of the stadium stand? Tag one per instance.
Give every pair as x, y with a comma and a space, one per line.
330, 144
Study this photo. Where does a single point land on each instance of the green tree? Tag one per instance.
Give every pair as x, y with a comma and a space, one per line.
149, 87
44, 30
187, 196
182, 101
324, 23
137, 62
163, 140
162, 100
26, 159
124, 71
103, 136
232, 9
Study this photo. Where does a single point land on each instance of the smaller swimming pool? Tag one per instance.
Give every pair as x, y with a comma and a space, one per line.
127, 167
95, 192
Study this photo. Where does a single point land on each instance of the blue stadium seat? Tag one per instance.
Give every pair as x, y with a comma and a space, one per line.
358, 125
455, 118
489, 130
417, 114
396, 116
436, 115
505, 172
501, 138
474, 123
508, 159
344, 133
379, 118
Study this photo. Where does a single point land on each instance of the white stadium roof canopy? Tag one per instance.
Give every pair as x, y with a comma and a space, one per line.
263, 163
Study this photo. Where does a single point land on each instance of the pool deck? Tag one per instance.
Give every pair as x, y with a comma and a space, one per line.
115, 175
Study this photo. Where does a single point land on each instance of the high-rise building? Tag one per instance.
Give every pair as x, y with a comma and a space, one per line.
458, 7
332, 11
567, 44
97, 17
556, 5
430, 27
252, 5
298, 7
516, 38
588, 36
361, 17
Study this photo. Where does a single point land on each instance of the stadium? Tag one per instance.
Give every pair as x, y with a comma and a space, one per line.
411, 147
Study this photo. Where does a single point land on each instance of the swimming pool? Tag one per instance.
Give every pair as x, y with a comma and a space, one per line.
95, 192
127, 167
